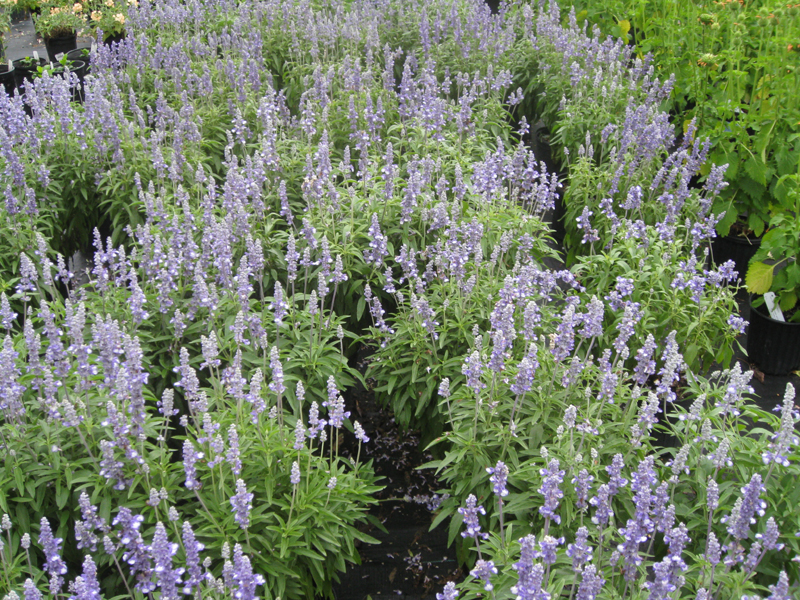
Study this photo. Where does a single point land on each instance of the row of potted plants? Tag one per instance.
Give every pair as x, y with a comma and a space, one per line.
734, 65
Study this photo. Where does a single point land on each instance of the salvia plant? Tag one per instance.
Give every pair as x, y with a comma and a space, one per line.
261, 190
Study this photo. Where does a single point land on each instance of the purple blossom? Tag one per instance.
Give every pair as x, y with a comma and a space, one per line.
361, 435
470, 514
548, 547
30, 590
591, 584
738, 385
553, 477
616, 482
747, 506
86, 586
448, 593
378, 248
242, 503
243, 580
780, 591
335, 405
190, 457
645, 365
136, 553
210, 351
529, 575
499, 477
590, 234
299, 435
278, 306
712, 494
89, 523
583, 483
670, 371
276, 386
769, 539
713, 549
785, 438
291, 258
233, 455
162, 551
602, 503
7, 316
580, 552
526, 372
564, 340
294, 478
593, 319
193, 570
484, 569
473, 369
54, 565
737, 323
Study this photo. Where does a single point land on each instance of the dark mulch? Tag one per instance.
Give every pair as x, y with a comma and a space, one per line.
411, 562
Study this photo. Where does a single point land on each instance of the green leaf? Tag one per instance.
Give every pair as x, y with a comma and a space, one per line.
62, 495
788, 301
756, 224
752, 188
759, 278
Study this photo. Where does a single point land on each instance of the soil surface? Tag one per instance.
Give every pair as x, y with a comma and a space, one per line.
411, 562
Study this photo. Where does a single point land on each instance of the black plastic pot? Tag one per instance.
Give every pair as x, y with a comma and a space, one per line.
60, 45
78, 54
24, 74
7, 79
18, 15
79, 68
111, 40
772, 345
737, 248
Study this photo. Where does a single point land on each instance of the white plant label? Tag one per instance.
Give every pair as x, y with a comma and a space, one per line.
774, 310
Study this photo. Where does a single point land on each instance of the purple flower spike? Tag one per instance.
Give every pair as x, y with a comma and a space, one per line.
580, 552
243, 580
746, 507
31, 591
548, 547
162, 551
553, 477
583, 483
86, 585
530, 575
470, 513
242, 503
378, 246
55, 566
449, 593
193, 569
591, 584
499, 478
361, 435
780, 591
484, 569
190, 457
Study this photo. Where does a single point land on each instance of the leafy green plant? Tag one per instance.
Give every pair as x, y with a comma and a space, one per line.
774, 267
57, 21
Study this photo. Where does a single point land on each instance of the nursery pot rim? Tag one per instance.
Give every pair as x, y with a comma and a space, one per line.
771, 344
765, 315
